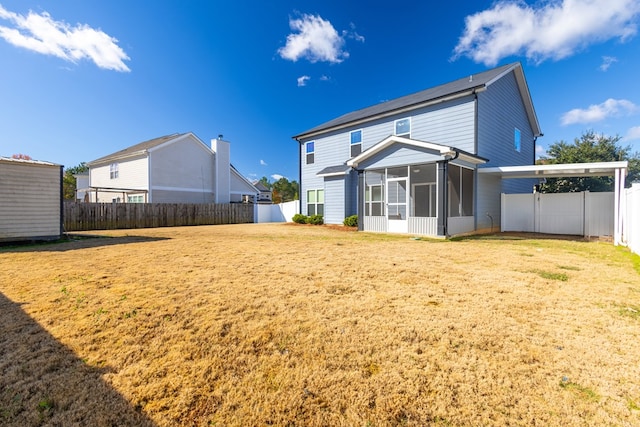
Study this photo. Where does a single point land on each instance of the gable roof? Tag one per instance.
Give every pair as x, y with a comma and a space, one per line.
443, 150
136, 149
455, 89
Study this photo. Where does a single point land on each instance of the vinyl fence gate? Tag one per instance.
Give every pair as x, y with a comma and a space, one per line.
583, 214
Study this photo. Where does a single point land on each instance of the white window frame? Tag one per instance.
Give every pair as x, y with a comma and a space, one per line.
395, 127
311, 153
114, 171
317, 193
352, 144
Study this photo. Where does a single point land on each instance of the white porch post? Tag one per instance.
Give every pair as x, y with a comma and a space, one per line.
618, 212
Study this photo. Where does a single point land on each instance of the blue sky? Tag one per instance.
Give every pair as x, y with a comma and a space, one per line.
80, 80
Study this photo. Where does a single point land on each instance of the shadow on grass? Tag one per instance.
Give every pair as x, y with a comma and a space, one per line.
75, 241
511, 235
42, 382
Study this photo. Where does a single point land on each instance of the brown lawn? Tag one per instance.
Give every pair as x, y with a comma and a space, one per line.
251, 325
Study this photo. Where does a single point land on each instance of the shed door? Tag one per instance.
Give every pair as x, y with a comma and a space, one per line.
397, 205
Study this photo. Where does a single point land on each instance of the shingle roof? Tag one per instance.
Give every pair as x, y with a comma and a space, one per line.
459, 86
137, 148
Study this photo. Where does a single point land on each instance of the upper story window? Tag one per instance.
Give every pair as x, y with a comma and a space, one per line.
356, 142
113, 171
403, 127
516, 139
310, 149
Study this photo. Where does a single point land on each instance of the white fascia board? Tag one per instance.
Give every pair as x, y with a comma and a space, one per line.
390, 140
557, 170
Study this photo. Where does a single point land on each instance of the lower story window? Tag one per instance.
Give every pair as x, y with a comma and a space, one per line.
374, 193
315, 202
137, 198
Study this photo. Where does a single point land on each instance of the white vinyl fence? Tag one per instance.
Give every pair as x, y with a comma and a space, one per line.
282, 212
631, 224
581, 214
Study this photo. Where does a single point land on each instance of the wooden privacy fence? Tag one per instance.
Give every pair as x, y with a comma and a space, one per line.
109, 216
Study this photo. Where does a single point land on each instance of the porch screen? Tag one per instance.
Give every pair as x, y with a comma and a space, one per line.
423, 190
374, 193
460, 191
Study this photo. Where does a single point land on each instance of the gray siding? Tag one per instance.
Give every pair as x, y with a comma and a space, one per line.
500, 111
31, 201
335, 200
488, 202
181, 196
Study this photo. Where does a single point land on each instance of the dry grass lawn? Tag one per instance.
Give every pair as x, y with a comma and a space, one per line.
253, 325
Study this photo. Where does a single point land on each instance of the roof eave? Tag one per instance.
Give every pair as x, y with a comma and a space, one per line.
450, 97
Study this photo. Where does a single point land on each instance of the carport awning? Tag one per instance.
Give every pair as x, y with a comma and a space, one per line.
557, 171
616, 169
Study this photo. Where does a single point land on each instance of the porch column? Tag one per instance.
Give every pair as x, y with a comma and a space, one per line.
442, 178
618, 212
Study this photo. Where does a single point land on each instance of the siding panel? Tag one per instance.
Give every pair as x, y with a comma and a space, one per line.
31, 198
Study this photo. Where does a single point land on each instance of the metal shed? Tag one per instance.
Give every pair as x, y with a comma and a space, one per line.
30, 200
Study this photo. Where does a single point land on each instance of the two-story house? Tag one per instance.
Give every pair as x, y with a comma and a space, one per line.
410, 165
177, 168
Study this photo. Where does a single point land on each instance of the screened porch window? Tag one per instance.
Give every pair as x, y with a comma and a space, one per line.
460, 191
374, 193
424, 190
315, 202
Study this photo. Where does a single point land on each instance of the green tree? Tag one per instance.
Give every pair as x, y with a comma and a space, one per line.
284, 190
589, 148
265, 181
69, 181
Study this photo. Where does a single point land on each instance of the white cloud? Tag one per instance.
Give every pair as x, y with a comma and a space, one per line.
353, 34
302, 80
263, 163
595, 113
554, 30
324, 78
632, 134
313, 39
40, 33
276, 176
606, 62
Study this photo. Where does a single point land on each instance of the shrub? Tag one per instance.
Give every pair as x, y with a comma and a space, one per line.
315, 220
300, 219
351, 221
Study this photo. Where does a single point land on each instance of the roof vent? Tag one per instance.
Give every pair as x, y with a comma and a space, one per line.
220, 137
470, 78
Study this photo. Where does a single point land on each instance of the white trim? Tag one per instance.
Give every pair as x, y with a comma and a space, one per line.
557, 170
443, 150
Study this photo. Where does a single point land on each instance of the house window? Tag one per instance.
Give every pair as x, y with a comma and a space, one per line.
403, 127
461, 190
516, 139
137, 198
315, 202
374, 193
310, 152
356, 142
113, 171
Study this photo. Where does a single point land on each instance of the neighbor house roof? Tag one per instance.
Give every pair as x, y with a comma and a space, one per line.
455, 89
136, 149
25, 161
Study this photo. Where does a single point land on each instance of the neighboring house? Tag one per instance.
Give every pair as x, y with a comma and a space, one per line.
82, 181
410, 165
30, 200
265, 194
177, 168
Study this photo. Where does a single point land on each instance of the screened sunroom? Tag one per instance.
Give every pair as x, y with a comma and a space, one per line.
434, 198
